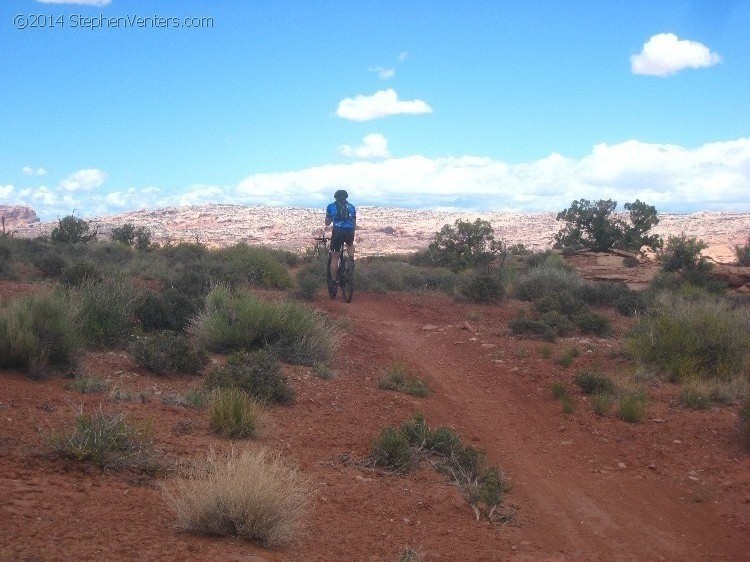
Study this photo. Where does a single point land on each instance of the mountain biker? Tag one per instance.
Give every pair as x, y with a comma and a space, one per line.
343, 215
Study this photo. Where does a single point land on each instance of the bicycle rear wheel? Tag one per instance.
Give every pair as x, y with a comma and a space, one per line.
346, 280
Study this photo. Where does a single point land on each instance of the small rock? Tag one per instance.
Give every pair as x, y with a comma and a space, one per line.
621, 465
429, 327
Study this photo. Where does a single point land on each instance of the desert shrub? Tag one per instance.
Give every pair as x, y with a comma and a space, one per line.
601, 403
559, 390
482, 287
79, 273
253, 265
465, 245
570, 353
683, 253
109, 441
324, 371
631, 303
591, 322
696, 395
391, 450
560, 323
443, 441
399, 378
50, 265
87, 384
233, 414
37, 333
168, 352
563, 302
743, 253
104, 312
745, 422
168, 310
250, 494
130, 235
702, 337
309, 282
409, 554
233, 321
547, 258
592, 382
633, 406
600, 293
526, 326
546, 280
72, 230
589, 224
258, 373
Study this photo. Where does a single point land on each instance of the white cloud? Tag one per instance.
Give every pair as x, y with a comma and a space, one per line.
383, 73
381, 104
84, 180
82, 2
373, 145
29, 171
665, 54
714, 176
673, 178
402, 56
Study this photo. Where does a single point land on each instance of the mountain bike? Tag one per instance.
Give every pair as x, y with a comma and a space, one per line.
346, 275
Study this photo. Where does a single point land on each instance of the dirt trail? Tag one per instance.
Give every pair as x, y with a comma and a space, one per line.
586, 488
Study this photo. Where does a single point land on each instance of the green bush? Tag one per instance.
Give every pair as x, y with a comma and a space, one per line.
483, 287
399, 378
701, 337
601, 403
168, 353
79, 273
233, 414
589, 224
743, 253
633, 406
546, 280
50, 265
168, 310
745, 422
72, 230
104, 312
593, 323
391, 450
108, 441
251, 265
560, 323
257, 373
630, 304
559, 390
232, 321
525, 326
87, 384
309, 282
37, 333
683, 253
591, 382
696, 395
465, 245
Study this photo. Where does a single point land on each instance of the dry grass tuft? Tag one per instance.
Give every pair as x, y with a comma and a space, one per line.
251, 493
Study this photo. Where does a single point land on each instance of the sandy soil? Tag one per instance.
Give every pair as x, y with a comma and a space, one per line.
674, 487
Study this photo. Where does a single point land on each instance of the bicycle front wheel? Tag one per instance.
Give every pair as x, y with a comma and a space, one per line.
347, 280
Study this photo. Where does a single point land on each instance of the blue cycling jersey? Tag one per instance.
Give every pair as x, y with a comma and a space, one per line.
342, 215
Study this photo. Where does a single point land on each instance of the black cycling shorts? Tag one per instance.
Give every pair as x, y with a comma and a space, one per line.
339, 236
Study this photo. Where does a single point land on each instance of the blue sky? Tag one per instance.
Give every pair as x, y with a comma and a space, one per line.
109, 106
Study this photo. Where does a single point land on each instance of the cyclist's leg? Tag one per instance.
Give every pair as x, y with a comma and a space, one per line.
334, 266
349, 240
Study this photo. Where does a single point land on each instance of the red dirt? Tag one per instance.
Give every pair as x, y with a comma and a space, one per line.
674, 487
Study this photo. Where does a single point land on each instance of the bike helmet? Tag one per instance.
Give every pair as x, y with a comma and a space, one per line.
340, 194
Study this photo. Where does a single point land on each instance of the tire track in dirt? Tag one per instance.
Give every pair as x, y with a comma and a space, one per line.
566, 508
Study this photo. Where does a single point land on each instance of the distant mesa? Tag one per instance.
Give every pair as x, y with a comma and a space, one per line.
17, 215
